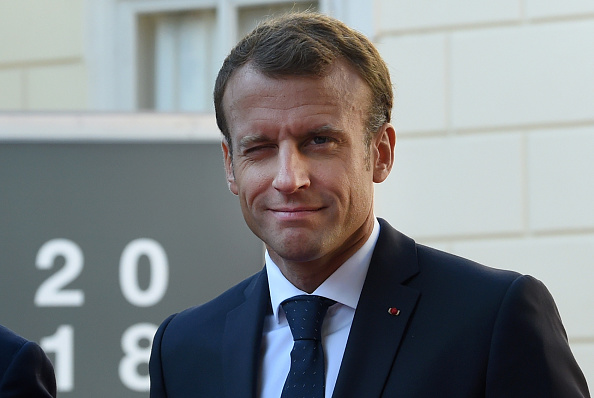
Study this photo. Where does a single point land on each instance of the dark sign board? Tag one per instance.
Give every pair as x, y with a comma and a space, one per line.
99, 242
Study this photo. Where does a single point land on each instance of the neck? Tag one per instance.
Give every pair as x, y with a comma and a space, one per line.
309, 275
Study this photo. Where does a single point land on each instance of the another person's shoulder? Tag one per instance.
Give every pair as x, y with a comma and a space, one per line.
25, 370
10, 340
10, 345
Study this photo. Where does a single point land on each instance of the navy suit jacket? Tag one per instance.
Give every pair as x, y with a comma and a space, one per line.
25, 370
464, 330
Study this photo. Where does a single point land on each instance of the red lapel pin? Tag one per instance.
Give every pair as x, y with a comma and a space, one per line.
393, 311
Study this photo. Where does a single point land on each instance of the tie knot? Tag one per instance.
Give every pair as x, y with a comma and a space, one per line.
305, 314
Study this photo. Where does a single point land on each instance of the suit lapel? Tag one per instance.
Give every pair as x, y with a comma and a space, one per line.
242, 339
376, 334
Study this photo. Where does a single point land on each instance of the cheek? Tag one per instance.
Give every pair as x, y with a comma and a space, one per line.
340, 182
360, 185
252, 184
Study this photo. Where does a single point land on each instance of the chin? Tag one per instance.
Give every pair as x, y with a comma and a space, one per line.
296, 253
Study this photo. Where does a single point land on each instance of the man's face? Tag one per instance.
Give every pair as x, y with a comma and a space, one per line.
299, 164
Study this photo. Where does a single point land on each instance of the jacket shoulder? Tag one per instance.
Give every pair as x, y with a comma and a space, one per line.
416, 262
187, 353
448, 266
213, 312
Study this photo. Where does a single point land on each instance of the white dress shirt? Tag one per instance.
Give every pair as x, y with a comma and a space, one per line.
343, 286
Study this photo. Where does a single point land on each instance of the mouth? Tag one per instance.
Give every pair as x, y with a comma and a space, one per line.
292, 213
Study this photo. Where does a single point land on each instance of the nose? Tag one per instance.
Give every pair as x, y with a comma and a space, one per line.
292, 172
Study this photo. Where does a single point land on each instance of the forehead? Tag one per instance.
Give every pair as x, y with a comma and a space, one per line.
252, 95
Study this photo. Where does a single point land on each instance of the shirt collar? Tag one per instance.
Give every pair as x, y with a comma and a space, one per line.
343, 286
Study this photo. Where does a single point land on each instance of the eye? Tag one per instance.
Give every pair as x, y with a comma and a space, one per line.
252, 149
320, 139
258, 152
257, 148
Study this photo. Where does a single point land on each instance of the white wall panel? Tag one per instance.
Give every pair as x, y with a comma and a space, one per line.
57, 87
453, 186
561, 176
53, 29
419, 14
555, 8
523, 75
417, 65
11, 89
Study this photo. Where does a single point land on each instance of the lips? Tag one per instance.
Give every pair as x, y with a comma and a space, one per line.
291, 213
295, 209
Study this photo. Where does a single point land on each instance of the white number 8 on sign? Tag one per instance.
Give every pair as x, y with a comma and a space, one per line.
136, 355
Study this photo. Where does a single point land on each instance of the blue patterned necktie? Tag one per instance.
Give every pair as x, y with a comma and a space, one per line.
306, 377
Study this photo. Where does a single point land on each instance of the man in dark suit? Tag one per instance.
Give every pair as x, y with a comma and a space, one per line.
304, 104
25, 370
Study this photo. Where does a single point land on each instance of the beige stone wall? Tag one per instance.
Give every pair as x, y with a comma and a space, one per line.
495, 119
42, 61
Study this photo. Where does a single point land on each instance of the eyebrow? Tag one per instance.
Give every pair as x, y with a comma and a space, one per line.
257, 138
325, 129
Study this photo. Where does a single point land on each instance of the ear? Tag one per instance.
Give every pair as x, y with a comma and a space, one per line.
229, 167
384, 144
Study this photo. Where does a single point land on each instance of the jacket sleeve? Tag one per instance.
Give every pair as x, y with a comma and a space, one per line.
30, 374
530, 354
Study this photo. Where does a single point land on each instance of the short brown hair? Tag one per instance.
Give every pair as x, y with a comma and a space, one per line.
306, 44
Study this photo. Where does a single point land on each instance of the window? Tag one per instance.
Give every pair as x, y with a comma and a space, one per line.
164, 55
177, 62
176, 67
